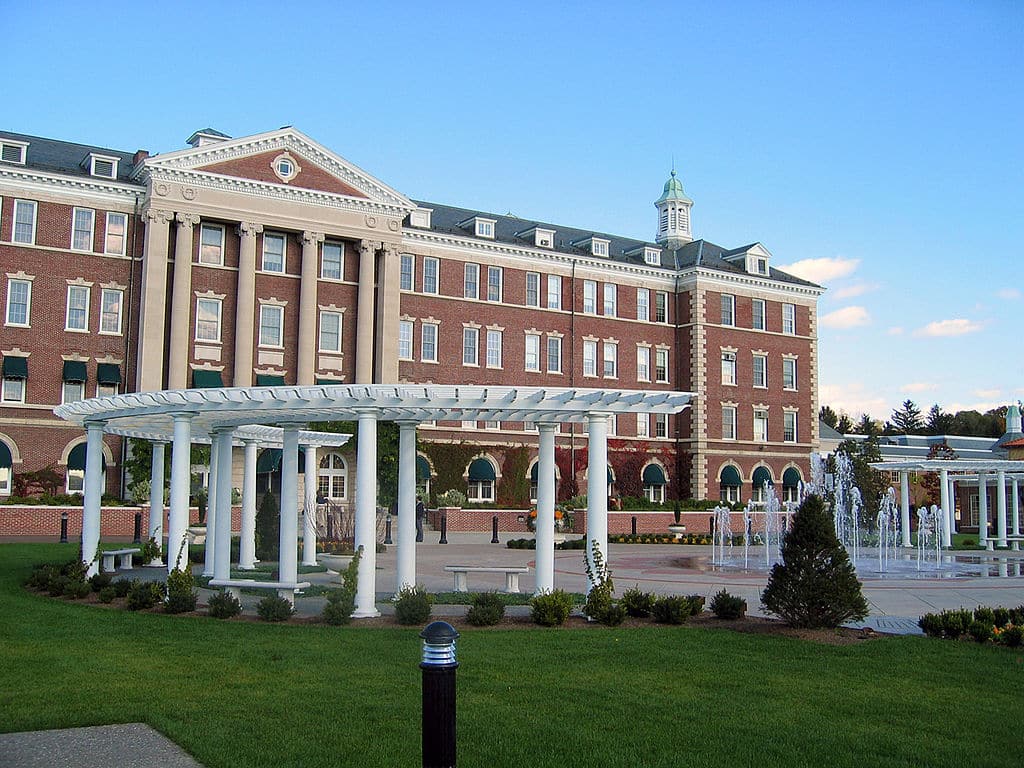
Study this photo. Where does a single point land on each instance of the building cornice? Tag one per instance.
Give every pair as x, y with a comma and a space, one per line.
691, 276
27, 179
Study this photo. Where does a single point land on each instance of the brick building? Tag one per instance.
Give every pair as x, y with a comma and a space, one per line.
270, 259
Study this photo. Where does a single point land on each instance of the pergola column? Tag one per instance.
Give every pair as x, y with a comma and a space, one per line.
222, 541
156, 496
365, 313
177, 519
951, 490
247, 544
307, 308
366, 511
181, 301
1016, 512
245, 309
597, 488
947, 509
1001, 507
212, 505
545, 534
93, 495
289, 540
983, 511
309, 505
905, 507
406, 576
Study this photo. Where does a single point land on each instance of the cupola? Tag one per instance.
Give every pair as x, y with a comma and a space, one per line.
673, 215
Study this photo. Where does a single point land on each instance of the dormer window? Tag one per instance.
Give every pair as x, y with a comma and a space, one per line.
485, 227
420, 218
599, 247
652, 256
103, 166
542, 238
13, 151
762, 266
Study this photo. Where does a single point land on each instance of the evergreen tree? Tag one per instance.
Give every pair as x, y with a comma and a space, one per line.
268, 528
844, 426
828, 416
907, 419
938, 422
866, 426
815, 585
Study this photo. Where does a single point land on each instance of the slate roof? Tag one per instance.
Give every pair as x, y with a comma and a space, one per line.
894, 447
65, 157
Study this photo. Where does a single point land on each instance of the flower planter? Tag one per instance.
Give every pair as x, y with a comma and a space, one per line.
677, 530
333, 562
197, 534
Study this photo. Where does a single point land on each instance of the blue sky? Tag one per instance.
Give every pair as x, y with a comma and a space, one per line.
876, 147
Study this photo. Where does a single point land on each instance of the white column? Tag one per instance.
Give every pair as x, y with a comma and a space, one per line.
247, 545
1001, 507
983, 511
366, 515
545, 560
177, 521
222, 541
1016, 507
181, 302
597, 487
365, 313
209, 554
307, 338
156, 495
905, 507
406, 576
947, 508
93, 495
951, 490
309, 505
288, 557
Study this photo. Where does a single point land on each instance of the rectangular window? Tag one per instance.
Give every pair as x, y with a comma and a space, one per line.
19, 302
643, 425
406, 269
114, 237
554, 292
428, 343
273, 253
72, 391
532, 352
78, 308
532, 289
13, 390
111, 301
24, 222
470, 343
760, 371
661, 425
728, 309
611, 302
330, 331
208, 319
271, 325
789, 426
789, 319
728, 367
493, 349
643, 304
431, 271
211, 244
728, 422
757, 323
83, 222
789, 373
554, 354
106, 390
332, 261
760, 426
660, 307
611, 360
590, 358
494, 283
643, 363
471, 282
405, 339
484, 228
13, 152
590, 297
661, 366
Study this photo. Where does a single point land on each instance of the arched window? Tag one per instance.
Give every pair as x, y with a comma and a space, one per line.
761, 476
534, 474
6, 462
654, 483
730, 484
791, 484
75, 478
481, 478
333, 479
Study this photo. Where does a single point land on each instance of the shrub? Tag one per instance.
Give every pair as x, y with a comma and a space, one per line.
412, 605
341, 602
223, 605
451, 498
671, 609
1017, 615
123, 587
931, 624
599, 603
696, 604
145, 594
274, 608
107, 595
486, 609
981, 631
1012, 636
268, 521
726, 606
181, 597
550, 609
1000, 617
55, 586
76, 590
150, 551
815, 585
636, 603
40, 577
614, 615
985, 615
955, 623
100, 580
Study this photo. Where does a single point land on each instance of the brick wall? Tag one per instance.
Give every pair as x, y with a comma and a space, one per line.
21, 520
479, 520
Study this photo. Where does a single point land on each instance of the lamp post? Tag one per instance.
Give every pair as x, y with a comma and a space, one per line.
438, 666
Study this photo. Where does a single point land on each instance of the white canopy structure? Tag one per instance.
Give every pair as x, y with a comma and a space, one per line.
226, 415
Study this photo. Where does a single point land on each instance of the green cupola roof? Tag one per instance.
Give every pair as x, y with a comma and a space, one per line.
673, 190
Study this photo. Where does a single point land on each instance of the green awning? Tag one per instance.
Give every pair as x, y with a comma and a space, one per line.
328, 382
791, 478
762, 476
422, 468
15, 367
74, 370
76, 459
108, 373
204, 379
535, 473
730, 476
654, 475
269, 380
481, 469
269, 460
6, 462
611, 477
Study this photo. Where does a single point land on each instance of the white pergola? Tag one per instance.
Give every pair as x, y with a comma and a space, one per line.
223, 416
965, 471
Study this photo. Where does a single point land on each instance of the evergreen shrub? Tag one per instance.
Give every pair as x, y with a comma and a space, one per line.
100, 580
726, 606
107, 594
274, 608
486, 609
550, 609
412, 605
268, 522
77, 590
144, 594
341, 602
671, 609
637, 603
223, 605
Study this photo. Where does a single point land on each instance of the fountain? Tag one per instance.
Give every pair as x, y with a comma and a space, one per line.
846, 506
887, 523
930, 525
723, 534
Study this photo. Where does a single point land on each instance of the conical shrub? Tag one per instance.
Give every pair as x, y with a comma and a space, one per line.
815, 585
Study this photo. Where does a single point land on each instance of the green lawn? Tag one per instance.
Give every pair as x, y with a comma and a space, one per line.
249, 694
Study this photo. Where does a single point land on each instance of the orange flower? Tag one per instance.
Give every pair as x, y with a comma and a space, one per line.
558, 514
533, 513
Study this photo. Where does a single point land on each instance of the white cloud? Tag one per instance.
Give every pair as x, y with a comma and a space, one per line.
1011, 294
956, 327
895, 331
847, 317
822, 270
854, 399
852, 291
981, 406
988, 394
918, 386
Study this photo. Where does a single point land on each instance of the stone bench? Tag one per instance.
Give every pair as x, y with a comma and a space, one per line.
1013, 541
284, 589
123, 555
511, 574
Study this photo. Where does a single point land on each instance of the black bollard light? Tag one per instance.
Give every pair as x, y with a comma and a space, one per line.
64, 526
633, 524
494, 530
711, 526
330, 527
137, 538
444, 530
387, 530
439, 667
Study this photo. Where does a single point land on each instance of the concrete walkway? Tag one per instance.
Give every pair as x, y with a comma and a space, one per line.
131, 745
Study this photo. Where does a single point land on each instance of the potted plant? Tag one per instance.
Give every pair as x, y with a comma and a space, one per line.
450, 499
150, 553
335, 554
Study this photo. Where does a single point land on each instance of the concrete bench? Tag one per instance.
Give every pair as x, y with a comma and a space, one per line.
124, 556
284, 589
992, 541
511, 574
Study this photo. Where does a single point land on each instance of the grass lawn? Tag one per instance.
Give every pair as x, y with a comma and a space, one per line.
249, 694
